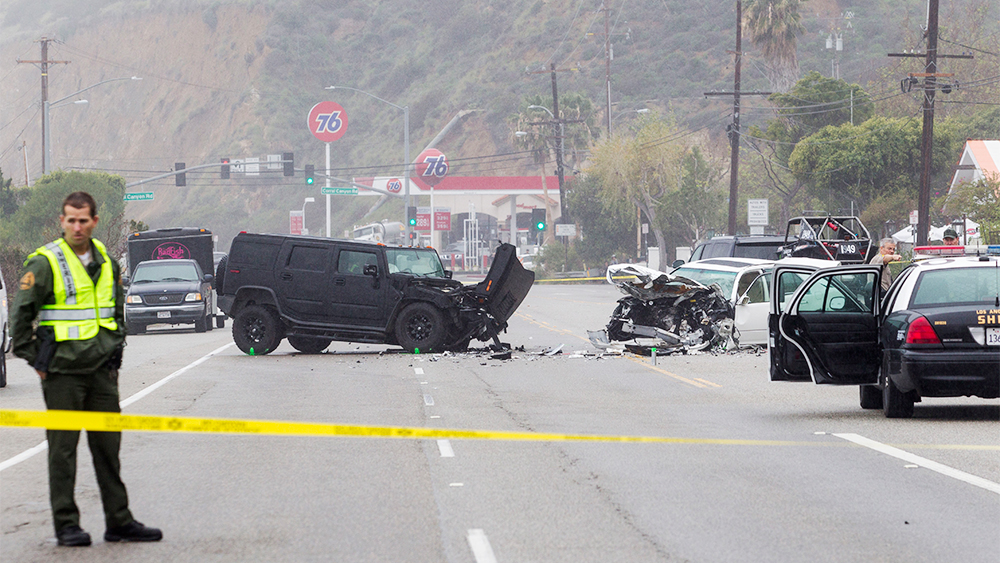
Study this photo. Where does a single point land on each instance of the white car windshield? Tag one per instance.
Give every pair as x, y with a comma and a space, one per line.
708, 277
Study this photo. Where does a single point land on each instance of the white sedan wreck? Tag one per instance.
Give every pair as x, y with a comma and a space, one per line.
663, 311
718, 302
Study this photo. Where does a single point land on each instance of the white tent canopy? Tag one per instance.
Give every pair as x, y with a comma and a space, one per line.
907, 235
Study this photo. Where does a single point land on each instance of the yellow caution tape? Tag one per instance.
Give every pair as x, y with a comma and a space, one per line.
114, 422
602, 278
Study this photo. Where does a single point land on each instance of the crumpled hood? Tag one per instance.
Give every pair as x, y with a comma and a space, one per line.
654, 284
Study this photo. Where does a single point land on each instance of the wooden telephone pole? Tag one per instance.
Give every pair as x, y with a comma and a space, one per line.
734, 129
44, 62
930, 86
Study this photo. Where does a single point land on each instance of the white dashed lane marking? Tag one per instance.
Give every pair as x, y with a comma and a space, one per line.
480, 545
444, 446
922, 462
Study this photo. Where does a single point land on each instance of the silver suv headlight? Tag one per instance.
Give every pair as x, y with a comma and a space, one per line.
192, 297
133, 299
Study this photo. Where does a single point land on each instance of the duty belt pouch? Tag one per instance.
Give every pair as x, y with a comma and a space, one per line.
115, 361
46, 349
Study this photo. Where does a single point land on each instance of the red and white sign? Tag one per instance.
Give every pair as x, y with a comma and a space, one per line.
295, 222
327, 121
394, 185
432, 166
442, 219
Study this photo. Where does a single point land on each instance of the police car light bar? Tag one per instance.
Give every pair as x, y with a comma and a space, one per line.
968, 250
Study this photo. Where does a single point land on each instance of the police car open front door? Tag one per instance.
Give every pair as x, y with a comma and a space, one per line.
832, 320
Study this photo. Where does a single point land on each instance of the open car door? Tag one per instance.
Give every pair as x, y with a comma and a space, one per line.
786, 361
832, 322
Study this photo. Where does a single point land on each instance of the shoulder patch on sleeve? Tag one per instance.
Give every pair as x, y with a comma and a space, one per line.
28, 280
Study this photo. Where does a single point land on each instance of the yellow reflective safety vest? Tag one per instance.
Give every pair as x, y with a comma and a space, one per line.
81, 307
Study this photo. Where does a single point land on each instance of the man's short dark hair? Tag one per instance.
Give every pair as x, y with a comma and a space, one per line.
79, 200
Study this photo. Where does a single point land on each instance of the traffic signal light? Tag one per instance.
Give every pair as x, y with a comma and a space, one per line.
538, 219
288, 166
310, 172
411, 216
179, 179
224, 170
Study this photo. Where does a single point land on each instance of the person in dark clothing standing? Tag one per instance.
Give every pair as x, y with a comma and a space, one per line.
73, 288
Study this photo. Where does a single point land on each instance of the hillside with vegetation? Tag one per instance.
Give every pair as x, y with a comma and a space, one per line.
237, 78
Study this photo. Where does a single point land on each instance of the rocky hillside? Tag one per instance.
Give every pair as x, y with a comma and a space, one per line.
237, 78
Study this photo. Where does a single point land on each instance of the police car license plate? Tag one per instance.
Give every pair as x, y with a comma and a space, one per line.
163, 314
993, 336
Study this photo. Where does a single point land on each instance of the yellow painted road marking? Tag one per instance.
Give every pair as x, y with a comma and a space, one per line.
707, 382
673, 375
547, 326
114, 422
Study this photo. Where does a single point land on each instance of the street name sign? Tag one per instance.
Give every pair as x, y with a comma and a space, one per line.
339, 191
139, 196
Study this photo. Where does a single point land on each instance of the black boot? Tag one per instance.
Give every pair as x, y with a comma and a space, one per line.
133, 531
73, 536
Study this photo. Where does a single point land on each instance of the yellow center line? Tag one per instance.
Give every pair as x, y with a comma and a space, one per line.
547, 326
706, 382
673, 375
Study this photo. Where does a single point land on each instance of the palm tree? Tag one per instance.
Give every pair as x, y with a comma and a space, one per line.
773, 26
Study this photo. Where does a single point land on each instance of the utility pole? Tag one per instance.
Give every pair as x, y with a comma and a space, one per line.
44, 62
560, 147
734, 138
927, 139
607, 61
734, 129
560, 134
609, 54
930, 86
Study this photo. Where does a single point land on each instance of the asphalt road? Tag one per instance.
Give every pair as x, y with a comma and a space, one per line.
759, 471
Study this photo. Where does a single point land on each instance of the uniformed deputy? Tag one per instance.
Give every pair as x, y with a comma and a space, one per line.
73, 288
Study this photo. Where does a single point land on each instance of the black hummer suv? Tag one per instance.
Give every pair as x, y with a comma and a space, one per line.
315, 290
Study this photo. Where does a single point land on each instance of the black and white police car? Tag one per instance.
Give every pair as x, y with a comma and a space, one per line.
935, 333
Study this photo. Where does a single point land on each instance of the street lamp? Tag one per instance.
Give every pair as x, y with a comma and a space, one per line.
47, 106
406, 150
305, 231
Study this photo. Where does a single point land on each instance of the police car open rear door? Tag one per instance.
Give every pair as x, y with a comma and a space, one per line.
832, 321
786, 361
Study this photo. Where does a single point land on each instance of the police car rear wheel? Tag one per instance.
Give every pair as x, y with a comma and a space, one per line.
256, 330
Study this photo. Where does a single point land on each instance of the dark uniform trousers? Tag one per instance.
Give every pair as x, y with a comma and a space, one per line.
96, 391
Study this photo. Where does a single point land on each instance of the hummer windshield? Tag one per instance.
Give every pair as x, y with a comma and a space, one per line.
416, 261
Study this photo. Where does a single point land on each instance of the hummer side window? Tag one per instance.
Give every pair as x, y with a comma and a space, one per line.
308, 258
354, 262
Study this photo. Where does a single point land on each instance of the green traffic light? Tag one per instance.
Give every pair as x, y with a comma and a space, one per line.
413, 222
309, 181
540, 226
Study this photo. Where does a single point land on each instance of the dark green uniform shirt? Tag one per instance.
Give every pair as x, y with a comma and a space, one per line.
70, 356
